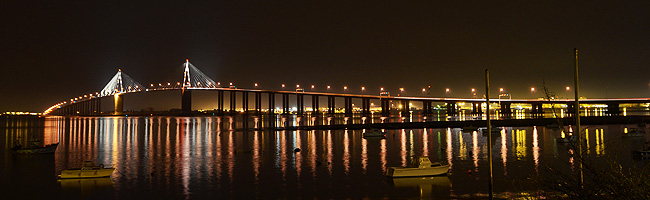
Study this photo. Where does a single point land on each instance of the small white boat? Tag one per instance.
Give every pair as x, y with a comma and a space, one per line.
374, 133
87, 170
421, 166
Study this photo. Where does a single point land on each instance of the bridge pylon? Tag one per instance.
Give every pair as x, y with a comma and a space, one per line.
193, 78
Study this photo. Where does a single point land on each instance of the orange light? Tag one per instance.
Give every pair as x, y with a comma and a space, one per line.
447, 90
401, 89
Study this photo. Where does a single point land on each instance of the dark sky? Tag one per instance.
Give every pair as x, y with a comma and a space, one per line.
52, 51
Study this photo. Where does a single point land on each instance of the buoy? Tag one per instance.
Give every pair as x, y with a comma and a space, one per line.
296, 150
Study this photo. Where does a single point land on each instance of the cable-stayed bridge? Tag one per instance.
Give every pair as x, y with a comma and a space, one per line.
193, 79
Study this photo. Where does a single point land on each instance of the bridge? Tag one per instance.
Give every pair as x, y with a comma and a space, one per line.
193, 79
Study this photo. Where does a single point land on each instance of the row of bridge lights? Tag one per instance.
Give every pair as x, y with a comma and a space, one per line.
363, 88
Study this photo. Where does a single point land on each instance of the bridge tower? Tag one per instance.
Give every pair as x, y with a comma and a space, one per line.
193, 79
120, 84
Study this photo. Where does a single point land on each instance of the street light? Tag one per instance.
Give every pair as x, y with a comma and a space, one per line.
282, 86
345, 88
532, 89
501, 90
255, 84
381, 89
297, 85
363, 89
312, 87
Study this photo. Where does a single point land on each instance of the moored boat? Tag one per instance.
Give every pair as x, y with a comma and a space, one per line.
51, 148
420, 166
374, 133
87, 170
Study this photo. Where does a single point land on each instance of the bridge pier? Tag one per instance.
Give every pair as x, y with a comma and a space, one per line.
477, 109
186, 101
537, 109
505, 109
348, 106
385, 107
405, 108
300, 104
244, 101
613, 109
233, 102
331, 105
271, 103
426, 108
285, 104
365, 106
119, 106
451, 109
258, 103
220, 102
314, 104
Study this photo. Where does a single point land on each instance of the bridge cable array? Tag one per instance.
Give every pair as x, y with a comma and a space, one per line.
194, 78
121, 83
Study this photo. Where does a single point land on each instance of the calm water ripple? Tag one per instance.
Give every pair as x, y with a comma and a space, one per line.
200, 157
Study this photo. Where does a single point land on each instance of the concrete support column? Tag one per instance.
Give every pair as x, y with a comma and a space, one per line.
258, 103
451, 109
348, 106
300, 103
285, 103
426, 108
570, 109
244, 101
119, 106
613, 109
331, 105
476, 108
271, 103
233, 102
365, 106
385, 107
220, 102
314, 103
186, 101
505, 108
537, 109
406, 108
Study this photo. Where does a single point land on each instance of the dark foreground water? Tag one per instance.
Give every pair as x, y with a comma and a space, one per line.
213, 157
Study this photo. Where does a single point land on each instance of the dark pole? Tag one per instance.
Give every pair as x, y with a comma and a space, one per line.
577, 115
489, 126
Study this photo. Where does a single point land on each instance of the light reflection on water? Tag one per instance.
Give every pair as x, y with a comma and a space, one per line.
212, 156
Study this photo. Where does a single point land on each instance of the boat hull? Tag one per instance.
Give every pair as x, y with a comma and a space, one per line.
78, 173
416, 172
41, 150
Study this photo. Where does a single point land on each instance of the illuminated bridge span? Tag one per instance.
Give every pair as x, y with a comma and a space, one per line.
193, 79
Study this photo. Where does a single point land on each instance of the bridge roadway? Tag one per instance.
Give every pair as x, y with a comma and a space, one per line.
92, 105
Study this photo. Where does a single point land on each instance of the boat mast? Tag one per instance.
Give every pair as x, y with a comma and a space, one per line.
489, 125
576, 114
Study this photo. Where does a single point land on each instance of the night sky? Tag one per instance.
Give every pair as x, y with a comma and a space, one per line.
52, 50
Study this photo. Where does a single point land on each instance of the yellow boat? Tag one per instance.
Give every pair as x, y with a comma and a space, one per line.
87, 170
421, 166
